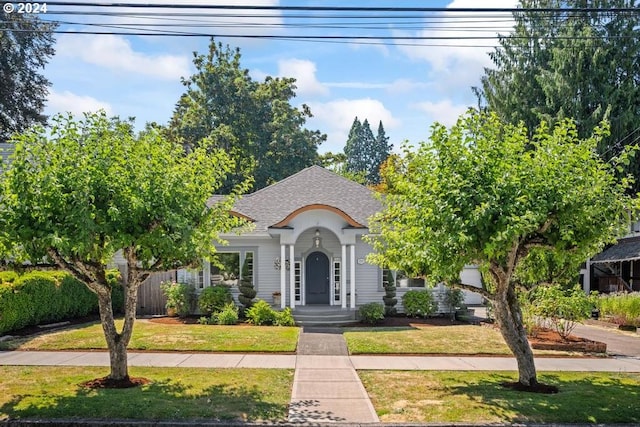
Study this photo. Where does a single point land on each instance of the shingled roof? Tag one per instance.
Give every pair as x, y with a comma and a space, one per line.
311, 186
624, 250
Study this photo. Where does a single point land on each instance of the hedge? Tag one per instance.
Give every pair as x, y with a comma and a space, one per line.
41, 297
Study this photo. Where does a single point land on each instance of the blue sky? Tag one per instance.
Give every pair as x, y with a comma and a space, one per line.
407, 87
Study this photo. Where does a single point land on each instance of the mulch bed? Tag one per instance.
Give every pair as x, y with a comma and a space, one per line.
547, 339
106, 382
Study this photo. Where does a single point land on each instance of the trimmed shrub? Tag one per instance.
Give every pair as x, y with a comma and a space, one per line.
371, 313
48, 296
228, 315
261, 313
285, 318
247, 292
419, 303
389, 297
214, 298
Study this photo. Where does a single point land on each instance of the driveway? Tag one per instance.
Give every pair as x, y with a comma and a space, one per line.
619, 343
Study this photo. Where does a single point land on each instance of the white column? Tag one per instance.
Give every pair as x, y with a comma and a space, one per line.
292, 276
206, 274
343, 277
352, 272
283, 276
586, 276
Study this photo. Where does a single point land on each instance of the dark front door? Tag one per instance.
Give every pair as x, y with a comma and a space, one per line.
317, 278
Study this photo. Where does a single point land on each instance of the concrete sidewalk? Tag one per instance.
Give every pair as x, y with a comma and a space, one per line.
292, 361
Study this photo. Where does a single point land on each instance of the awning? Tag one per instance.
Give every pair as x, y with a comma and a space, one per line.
624, 250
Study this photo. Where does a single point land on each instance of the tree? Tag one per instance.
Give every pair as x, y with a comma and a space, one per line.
77, 193
366, 153
571, 64
26, 44
337, 163
253, 121
485, 193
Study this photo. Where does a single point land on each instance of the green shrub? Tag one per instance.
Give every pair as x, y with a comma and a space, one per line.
228, 315
371, 313
453, 299
46, 296
179, 297
285, 318
247, 292
389, 297
419, 303
562, 309
623, 308
261, 313
214, 298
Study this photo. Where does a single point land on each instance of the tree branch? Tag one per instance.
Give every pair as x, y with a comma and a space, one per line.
482, 291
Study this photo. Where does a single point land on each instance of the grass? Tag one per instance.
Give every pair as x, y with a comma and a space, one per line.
174, 394
477, 397
454, 339
162, 337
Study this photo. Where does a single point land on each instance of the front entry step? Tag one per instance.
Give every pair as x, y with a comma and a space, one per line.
323, 316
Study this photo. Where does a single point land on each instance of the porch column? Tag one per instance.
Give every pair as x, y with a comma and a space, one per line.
292, 276
352, 272
283, 277
206, 274
343, 277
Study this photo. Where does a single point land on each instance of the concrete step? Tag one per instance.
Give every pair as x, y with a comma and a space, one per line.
325, 316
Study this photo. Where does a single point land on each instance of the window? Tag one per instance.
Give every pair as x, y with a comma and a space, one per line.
401, 279
337, 280
225, 269
297, 265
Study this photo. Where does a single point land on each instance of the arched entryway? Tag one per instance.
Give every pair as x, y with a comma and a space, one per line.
317, 281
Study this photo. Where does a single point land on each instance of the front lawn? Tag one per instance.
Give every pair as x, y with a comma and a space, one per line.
454, 339
178, 394
478, 397
162, 337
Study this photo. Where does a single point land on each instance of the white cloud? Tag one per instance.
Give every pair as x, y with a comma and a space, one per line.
65, 101
116, 53
305, 74
378, 44
459, 61
444, 112
336, 117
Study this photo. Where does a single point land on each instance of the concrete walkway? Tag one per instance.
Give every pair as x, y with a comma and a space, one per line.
326, 386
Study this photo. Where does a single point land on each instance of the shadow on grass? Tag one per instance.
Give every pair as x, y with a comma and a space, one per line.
583, 398
159, 400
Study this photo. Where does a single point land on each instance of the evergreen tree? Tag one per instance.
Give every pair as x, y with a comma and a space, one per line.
366, 153
26, 44
579, 64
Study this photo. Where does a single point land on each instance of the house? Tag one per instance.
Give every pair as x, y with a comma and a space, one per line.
306, 247
617, 268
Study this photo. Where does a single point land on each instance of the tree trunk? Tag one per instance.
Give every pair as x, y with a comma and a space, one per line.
509, 318
117, 342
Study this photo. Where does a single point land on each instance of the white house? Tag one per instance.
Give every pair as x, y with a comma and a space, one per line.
306, 247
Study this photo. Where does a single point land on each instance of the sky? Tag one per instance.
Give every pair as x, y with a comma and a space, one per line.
408, 84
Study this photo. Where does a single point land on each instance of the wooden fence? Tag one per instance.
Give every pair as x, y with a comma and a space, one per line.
151, 301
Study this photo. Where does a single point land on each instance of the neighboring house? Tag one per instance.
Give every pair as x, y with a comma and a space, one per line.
617, 268
306, 247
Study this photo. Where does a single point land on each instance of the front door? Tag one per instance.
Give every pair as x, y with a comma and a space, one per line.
317, 278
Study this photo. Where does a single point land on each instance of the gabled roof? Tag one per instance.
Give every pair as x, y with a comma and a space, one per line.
311, 188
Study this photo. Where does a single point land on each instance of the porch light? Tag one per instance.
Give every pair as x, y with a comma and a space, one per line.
316, 239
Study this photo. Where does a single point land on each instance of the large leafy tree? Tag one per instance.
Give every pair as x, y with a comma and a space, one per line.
77, 193
571, 63
364, 152
485, 193
26, 44
253, 121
